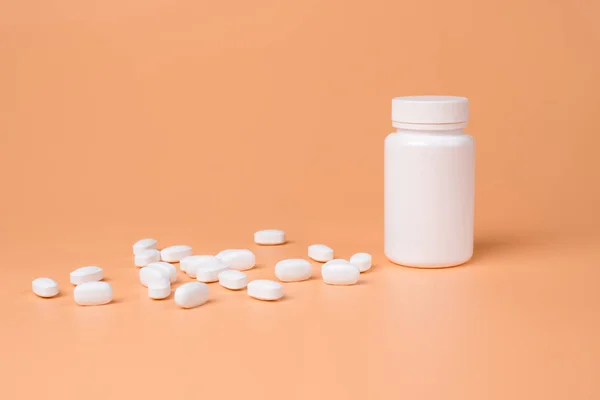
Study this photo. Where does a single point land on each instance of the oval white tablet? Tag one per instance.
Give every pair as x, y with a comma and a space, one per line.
159, 289
320, 252
86, 274
362, 261
191, 294
192, 263
233, 279
149, 274
293, 270
263, 289
269, 237
44, 287
175, 253
209, 269
240, 259
168, 268
144, 244
340, 272
93, 293
145, 257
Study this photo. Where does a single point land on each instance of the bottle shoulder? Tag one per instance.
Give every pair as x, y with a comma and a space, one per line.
429, 139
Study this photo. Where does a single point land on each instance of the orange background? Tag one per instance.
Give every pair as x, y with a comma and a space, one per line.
200, 122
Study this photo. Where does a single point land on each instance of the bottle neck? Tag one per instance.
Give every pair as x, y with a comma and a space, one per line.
431, 131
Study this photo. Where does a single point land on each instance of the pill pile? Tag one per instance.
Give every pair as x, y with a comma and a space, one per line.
157, 272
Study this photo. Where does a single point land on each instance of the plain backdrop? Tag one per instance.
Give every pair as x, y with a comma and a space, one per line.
201, 121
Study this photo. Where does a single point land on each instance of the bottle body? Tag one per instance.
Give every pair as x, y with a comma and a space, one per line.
429, 181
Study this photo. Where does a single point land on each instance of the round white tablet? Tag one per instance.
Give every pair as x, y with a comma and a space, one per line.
269, 237
362, 261
263, 289
86, 274
293, 270
320, 252
240, 259
145, 257
44, 287
159, 289
144, 244
233, 279
340, 272
175, 253
191, 294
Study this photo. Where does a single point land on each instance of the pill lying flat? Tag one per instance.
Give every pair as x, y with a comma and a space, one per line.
175, 253
233, 279
362, 261
340, 272
192, 294
263, 289
145, 257
269, 237
168, 268
93, 293
159, 289
240, 259
152, 273
44, 287
86, 274
191, 263
208, 269
320, 252
144, 244
293, 270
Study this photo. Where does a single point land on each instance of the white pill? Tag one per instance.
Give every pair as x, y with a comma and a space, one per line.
340, 272
144, 244
293, 270
93, 293
209, 269
86, 274
263, 289
269, 237
362, 261
320, 252
152, 273
185, 261
168, 268
233, 279
145, 257
192, 263
44, 287
192, 294
175, 253
240, 259
159, 289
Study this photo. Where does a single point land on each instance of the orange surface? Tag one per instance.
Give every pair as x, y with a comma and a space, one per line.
200, 122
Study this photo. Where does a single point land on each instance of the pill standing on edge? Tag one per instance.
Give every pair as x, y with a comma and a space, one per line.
362, 261
168, 268
293, 270
320, 252
159, 289
86, 274
146, 257
239, 259
263, 289
340, 272
93, 293
175, 253
269, 237
209, 269
233, 279
44, 287
192, 294
144, 244
149, 274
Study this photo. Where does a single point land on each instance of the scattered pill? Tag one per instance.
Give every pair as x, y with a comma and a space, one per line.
93, 293
293, 270
159, 289
152, 273
175, 253
240, 259
145, 257
233, 279
168, 268
193, 262
192, 294
320, 252
269, 237
44, 287
263, 289
209, 269
86, 274
185, 261
144, 244
340, 272
362, 261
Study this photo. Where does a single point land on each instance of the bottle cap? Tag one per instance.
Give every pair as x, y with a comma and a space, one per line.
430, 112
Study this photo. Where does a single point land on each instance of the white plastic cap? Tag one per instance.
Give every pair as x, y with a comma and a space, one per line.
430, 112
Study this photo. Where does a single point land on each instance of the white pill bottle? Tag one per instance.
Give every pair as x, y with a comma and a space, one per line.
429, 171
